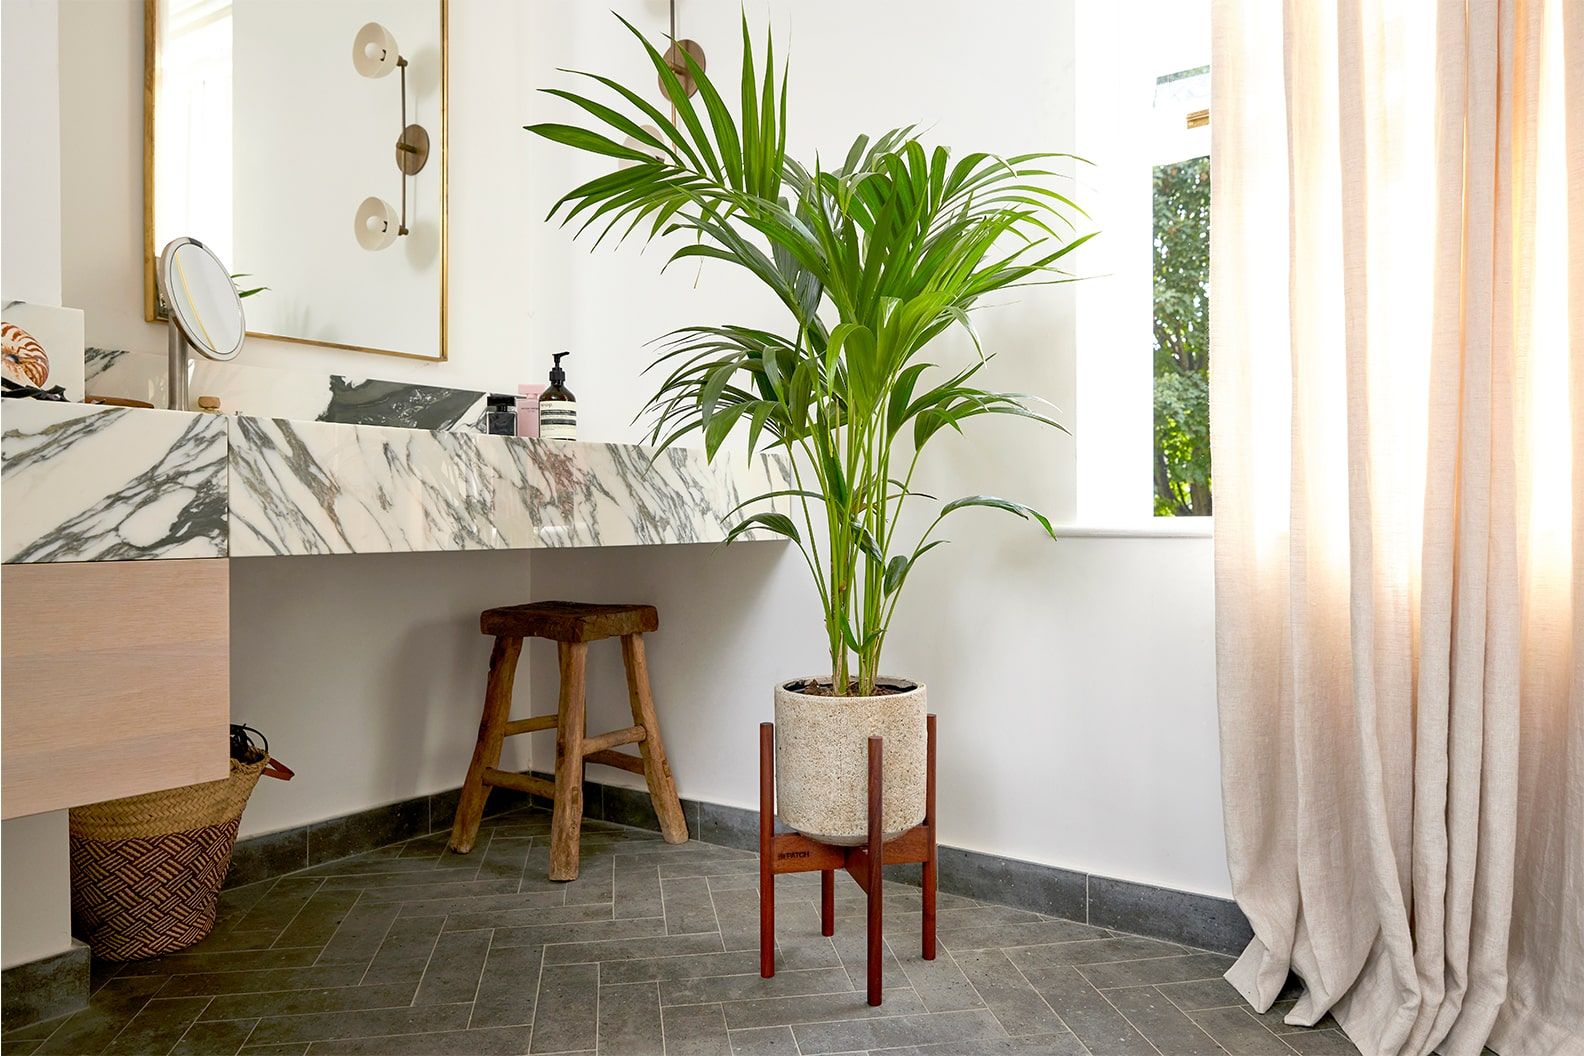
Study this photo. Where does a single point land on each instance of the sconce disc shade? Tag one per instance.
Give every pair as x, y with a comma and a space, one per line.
374, 51
679, 66
412, 150
637, 144
376, 225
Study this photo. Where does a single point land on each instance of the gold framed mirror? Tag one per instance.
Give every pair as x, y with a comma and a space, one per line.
305, 143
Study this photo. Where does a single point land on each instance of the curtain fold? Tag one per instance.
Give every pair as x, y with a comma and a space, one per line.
1397, 420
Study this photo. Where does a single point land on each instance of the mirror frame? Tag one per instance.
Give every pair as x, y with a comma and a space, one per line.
167, 260
151, 252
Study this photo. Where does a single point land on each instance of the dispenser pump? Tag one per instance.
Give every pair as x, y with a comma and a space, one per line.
558, 375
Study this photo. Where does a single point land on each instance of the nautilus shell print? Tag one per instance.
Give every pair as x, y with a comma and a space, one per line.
25, 360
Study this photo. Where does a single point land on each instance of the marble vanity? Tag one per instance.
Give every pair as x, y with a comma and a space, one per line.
118, 526
86, 483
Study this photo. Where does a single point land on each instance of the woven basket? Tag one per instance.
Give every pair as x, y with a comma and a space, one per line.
146, 870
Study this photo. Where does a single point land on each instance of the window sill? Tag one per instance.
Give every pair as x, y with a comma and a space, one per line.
1159, 528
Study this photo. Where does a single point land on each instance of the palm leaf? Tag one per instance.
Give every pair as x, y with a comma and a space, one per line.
871, 260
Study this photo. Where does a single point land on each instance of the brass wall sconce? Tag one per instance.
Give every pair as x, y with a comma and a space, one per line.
678, 64
375, 55
674, 58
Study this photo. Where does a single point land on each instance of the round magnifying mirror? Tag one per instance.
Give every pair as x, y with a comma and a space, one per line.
204, 309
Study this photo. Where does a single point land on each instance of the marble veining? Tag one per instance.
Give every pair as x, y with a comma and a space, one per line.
309, 488
88, 483
96, 484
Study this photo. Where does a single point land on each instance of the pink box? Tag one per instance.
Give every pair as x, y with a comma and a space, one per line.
528, 409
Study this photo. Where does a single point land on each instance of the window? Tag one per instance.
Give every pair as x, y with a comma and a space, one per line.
1182, 293
1142, 73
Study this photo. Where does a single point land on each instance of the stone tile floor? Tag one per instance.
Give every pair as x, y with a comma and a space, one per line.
652, 951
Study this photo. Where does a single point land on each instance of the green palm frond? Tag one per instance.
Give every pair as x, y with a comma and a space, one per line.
873, 260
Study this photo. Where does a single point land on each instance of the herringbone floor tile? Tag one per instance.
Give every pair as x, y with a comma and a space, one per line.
650, 952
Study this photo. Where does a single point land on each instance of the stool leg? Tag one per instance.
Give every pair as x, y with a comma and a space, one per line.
487, 751
657, 771
567, 820
827, 902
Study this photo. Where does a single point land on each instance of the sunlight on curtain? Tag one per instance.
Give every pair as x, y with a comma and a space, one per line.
1548, 487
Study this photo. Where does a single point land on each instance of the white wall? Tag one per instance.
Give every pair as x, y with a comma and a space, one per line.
30, 154
365, 672
34, 864
1075, 680
1120, 134
35, 888
1075, 731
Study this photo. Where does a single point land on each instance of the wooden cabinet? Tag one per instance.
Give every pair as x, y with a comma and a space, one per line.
114, 680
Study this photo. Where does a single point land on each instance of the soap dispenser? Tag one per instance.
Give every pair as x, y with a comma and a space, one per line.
557, 406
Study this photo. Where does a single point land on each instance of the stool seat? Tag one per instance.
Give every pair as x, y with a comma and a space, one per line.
569, 621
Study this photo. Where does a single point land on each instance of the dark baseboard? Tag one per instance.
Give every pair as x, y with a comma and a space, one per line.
1165, 913
45, 988
1204, 921
273, 854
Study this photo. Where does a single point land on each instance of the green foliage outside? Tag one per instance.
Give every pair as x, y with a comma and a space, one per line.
1182, 339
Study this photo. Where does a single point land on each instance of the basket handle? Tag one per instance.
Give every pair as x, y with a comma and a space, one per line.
242, 746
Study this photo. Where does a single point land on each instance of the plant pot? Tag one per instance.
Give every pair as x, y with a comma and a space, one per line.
822, 760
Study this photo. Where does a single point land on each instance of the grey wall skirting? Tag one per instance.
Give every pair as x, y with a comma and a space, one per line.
1159, 912
1204, 921
274, 853
45, 988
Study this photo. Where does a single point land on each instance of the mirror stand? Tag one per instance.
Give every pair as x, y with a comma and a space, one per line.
180, 366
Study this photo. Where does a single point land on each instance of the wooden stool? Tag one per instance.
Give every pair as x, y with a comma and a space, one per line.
572, 625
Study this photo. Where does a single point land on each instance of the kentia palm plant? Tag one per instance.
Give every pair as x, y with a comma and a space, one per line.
872, 260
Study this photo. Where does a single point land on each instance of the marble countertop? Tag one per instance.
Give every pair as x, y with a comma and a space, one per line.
87, 483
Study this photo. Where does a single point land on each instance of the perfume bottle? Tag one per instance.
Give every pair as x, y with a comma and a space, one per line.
501, 417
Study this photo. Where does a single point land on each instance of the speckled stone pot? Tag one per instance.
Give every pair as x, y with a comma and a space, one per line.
822, 760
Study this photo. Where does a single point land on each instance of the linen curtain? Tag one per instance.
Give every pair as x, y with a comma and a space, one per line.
1397, 408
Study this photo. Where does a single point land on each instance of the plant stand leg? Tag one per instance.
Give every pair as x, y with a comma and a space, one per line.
793, 852
875, 865
929, 853
766, 861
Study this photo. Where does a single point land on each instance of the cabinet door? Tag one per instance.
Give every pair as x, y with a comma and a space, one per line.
114, 680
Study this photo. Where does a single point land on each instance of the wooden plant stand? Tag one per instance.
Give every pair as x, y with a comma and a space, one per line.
791, 852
